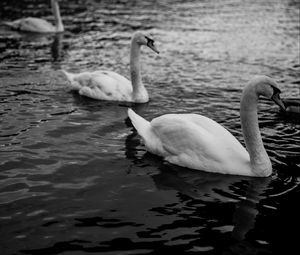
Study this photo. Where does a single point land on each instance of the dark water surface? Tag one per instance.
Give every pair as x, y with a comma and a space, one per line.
75, 177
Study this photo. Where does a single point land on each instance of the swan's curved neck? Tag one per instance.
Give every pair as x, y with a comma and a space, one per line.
56, 12
139, 92
259, 160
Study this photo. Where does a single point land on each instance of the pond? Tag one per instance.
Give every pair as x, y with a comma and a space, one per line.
75, 178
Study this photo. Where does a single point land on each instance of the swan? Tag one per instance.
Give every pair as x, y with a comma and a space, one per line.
108, 85
38, 25
292, 105
197, 142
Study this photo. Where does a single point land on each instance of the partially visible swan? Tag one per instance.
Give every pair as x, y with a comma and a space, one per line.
38, 25
197, 142
107, 85
292, 105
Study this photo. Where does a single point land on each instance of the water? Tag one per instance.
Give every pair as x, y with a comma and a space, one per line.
75, 177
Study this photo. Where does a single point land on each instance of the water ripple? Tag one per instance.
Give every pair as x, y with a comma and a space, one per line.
76, 170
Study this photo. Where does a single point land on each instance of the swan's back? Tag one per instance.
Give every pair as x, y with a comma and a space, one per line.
195, 126
197, 142
31, 24
292, 105
102, 85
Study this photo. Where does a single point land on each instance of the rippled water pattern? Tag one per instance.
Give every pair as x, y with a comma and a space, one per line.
75, 177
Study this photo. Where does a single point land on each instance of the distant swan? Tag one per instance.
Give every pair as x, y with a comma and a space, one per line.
197, 142
38, 25
107, 85
292, 105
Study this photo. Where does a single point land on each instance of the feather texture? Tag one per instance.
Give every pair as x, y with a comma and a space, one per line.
197, 142
108, 85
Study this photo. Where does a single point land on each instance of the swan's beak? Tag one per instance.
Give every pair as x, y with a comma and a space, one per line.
276, 98
151, 45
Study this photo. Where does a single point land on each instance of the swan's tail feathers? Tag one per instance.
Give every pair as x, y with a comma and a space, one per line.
7, 23
13, 24
69, 76
142, 126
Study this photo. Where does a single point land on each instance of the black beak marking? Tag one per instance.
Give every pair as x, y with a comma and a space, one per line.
276, 98
150, 44
276, 90
149, 41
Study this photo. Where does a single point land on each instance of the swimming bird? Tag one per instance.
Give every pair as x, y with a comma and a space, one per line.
197, 142
37, 25
108, 85
292, 105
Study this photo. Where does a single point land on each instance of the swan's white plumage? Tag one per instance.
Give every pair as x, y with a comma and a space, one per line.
197, 142
102, 85
292, 105
193, 141
107, 85
32, 24
37, 25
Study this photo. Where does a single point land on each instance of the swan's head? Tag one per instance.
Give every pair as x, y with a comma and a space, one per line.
268, 88
142, 39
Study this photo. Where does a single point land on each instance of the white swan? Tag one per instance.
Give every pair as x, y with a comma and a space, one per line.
38, 25
107, 85
197, 142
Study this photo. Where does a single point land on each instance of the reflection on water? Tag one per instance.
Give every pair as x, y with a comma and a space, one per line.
75, 169
56, 47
